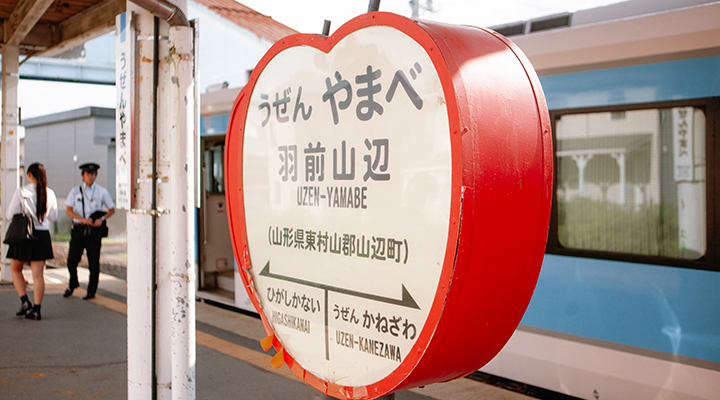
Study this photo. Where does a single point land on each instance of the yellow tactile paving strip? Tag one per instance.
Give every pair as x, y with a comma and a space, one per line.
256, 358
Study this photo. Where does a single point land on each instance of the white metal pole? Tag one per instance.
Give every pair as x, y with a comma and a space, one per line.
164, 158
140, 220
415, 6
181, 219
10, 143
139, 305
620, 158
164, 206
175, 304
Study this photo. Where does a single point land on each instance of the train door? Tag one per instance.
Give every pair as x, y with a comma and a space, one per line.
216, 279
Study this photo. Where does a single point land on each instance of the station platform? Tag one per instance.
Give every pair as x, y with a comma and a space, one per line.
78, 351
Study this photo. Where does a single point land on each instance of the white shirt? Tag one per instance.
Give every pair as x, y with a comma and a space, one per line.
95, 196
28, 193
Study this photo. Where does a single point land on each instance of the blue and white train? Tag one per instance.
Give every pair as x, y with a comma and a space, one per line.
627, 305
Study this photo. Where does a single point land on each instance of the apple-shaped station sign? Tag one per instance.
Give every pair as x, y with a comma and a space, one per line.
389, 193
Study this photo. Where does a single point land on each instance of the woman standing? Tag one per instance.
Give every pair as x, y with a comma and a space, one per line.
39, 203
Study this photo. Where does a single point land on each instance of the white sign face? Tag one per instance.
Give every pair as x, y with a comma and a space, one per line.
683, 144
124, 78
347, 187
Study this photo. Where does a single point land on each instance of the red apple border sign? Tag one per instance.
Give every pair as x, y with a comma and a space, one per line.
494, 214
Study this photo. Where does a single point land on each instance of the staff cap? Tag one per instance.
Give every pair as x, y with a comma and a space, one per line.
90, 167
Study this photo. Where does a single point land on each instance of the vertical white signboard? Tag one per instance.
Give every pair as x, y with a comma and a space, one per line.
683, 144
124, 78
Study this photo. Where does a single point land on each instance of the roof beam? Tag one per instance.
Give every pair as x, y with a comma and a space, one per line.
40, 38
23, 18
89, 24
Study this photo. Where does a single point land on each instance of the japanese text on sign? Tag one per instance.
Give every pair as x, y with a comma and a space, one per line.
683, 144
395, 325
289, 106
123, 112
366, 108
346, 244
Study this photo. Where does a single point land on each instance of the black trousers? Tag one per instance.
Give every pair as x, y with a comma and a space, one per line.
79, 242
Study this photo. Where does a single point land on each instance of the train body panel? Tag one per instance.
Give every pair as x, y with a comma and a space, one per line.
647, 83
603, 329
606, 322
657, 308
591, 369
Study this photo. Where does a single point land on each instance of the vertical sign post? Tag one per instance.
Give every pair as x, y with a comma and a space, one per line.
688, 136
683, 144
124, 78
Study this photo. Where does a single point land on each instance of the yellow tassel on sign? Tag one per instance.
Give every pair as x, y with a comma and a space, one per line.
278, 360
267, 342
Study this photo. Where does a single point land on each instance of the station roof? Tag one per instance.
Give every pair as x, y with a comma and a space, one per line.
262, 25
51, 27
48, 28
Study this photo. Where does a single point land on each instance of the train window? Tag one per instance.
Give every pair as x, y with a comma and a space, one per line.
214, 163
632, 182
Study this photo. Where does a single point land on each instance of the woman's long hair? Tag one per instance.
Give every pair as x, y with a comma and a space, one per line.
37, 170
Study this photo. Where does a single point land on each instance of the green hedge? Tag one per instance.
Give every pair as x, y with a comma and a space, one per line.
586, 224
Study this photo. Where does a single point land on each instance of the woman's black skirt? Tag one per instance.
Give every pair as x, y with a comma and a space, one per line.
33, 250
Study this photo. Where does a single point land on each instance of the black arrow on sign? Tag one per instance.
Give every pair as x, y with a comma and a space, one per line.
406, 300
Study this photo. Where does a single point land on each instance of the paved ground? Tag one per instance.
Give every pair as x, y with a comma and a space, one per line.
78, 351
113, 257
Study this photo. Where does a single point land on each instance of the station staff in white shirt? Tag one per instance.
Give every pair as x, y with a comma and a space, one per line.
88, 205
